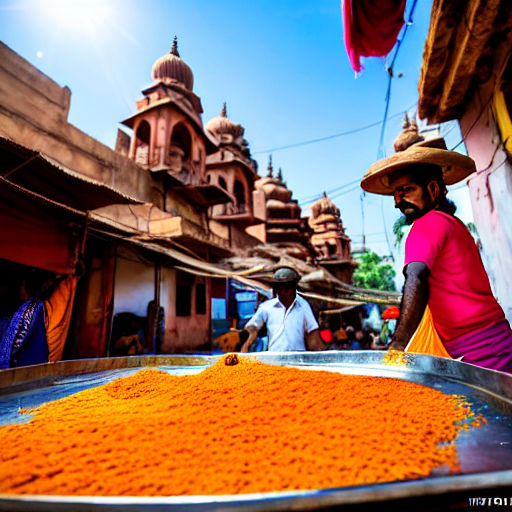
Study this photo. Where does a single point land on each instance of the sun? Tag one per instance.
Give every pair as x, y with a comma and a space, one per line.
78, 16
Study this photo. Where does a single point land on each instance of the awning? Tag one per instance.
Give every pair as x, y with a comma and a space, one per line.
37, 232
41, 174
335, 300
338, 311
459, 34
192, 265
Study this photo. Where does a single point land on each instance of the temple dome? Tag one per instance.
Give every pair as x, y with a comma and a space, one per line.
171, 68
222, 125
324, 205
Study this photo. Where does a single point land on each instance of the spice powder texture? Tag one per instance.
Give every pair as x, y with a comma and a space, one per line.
237, 428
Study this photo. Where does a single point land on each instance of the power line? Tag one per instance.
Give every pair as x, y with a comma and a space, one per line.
380, 152
321, 139
333, 196
314, 197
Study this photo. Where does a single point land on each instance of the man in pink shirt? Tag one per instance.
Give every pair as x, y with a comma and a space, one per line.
442, 267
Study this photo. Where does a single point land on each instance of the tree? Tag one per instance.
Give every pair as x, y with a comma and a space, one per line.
374, 272
399, 229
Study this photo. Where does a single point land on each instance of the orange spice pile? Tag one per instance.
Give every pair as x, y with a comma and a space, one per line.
239, 428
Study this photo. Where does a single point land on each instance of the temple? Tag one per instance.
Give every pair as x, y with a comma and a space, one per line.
232, 169
284, 227
169, 238
330, 243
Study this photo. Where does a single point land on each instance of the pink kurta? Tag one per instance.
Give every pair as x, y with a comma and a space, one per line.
461, 300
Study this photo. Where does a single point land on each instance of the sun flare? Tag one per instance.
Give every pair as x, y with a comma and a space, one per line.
79, 16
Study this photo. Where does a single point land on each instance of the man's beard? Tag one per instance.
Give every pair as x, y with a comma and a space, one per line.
410, 216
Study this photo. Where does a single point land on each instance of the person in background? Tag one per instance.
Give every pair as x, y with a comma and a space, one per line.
351, 335
376, 343
290, 322
340, 335
325, 330
127, 337
35, 311
357, 343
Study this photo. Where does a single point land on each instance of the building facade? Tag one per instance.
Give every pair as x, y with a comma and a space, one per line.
331, 244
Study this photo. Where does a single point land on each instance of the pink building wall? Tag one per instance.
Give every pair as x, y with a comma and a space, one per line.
490, 191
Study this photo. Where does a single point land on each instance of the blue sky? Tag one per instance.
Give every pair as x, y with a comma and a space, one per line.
280, 65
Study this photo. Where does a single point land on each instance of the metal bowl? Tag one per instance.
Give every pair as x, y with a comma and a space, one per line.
485, 453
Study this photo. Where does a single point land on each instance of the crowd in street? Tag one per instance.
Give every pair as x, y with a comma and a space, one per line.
349, 338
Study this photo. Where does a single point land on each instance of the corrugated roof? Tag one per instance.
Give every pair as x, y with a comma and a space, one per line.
45, 176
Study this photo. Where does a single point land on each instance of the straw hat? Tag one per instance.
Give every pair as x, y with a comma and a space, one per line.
455, 167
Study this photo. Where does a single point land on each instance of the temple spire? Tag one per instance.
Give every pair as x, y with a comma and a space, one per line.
406, 123
280, 174
409, 135
174, 49
224, 112
270, 169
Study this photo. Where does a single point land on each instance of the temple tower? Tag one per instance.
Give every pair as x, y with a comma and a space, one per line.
331, 244
233, 169
168, 136
284, 226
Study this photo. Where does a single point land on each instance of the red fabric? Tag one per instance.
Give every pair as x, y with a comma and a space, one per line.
326, 335
34, 235
461, 300
371, 27
95, 297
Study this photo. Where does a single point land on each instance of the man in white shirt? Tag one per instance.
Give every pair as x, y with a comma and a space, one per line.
290, 322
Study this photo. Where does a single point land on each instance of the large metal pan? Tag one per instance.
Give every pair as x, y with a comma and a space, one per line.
485, 453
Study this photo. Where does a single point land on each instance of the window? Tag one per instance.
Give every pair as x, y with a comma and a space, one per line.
239, 192
183, 294
200, 299
182, 140
142, 143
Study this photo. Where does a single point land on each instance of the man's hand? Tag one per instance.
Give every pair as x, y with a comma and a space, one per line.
414, 301
248, 334
314, 341
395, 345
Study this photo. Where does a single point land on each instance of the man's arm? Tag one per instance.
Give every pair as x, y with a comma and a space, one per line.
314, 341
414, 301
253, 332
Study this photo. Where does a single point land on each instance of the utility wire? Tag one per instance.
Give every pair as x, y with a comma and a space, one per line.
314, 197
334, 196
341, 134
380, 152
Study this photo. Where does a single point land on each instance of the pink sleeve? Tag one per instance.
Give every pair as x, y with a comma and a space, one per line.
426, 239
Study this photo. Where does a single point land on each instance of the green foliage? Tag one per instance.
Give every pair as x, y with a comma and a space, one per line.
399, 231
374, 272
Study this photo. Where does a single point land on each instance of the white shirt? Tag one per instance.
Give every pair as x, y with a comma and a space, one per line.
287, 328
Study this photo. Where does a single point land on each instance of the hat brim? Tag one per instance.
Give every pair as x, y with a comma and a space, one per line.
455, 167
